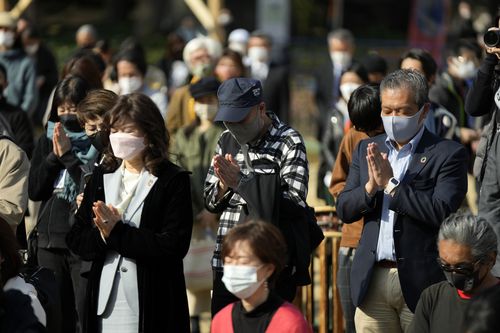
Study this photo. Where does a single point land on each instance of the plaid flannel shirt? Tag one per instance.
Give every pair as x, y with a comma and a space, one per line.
281, 145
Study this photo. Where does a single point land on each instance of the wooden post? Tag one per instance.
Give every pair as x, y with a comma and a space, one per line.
323, 282
4, 5
206, 18
310, 294
338, 318
215, 7
20, 7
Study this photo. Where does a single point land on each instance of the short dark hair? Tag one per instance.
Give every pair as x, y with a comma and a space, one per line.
95, 105
9, 251
143, 112
235, 57
364, 108
72, 89
265, 240
375, 63
360, 71
428, 63
134, 56
481, 315
464, 44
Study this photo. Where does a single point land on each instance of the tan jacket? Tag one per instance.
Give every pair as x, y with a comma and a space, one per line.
180, 110
351, 233
14, 170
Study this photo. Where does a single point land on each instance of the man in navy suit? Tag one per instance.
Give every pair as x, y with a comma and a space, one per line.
404, 184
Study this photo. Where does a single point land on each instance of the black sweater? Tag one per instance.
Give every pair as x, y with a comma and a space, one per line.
53, 221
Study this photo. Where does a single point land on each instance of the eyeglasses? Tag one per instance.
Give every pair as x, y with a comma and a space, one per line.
465, 268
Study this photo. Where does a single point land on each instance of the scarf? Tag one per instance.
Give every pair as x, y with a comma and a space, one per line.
80, 147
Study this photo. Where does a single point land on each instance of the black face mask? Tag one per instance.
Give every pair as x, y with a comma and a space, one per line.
71, 123
464, 282
99, 140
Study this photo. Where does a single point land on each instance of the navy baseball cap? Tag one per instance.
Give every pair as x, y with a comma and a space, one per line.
237, 97
204, 87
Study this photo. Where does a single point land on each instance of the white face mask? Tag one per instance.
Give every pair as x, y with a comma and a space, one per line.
400, 128
7, 38
346, 89
31, 49
129, 84
241, 280
258, 54
341, 58
202, 70
125, 145
465, 69
205, 111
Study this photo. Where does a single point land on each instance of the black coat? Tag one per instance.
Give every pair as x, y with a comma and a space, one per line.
324, 95
158, 246
53, 219
277, 91
433, 187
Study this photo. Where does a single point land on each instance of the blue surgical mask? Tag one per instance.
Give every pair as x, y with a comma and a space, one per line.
401, 128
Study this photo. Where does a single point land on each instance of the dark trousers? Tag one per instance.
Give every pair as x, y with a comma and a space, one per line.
285, 287
345, 256
71, 286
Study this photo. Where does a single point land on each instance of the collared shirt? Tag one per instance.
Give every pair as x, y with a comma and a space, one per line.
281, 145
399, 159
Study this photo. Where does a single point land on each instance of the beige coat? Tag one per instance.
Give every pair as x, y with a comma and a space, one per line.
14, 170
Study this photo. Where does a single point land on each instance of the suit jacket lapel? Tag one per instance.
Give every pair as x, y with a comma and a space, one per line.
146, 182
112, 184
421, 157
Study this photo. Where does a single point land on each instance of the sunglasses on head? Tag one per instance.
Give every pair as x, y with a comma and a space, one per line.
465, 268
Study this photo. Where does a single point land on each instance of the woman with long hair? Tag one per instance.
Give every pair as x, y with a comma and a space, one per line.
134, 224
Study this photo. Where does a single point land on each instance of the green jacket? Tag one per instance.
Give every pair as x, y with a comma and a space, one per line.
194, 150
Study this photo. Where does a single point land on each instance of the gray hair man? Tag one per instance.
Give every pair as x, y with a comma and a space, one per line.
86, 36
200, 55
404, 184
341, 46
467, 252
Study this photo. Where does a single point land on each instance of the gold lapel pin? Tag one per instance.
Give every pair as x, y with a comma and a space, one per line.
150, 183
423, 160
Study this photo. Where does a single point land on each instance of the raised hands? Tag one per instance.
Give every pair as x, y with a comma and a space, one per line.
106, 217
379, 169
227, 170
60, 141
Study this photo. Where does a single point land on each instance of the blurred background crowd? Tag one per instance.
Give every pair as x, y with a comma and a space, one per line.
309, 55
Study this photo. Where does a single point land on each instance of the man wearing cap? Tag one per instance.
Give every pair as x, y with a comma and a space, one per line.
21, 75
254, 136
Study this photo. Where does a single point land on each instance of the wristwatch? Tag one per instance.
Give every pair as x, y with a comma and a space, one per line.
391, 185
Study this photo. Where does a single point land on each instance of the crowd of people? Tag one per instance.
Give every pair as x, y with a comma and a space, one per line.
166, 191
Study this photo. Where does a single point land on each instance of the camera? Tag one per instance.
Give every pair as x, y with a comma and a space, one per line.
492, 38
